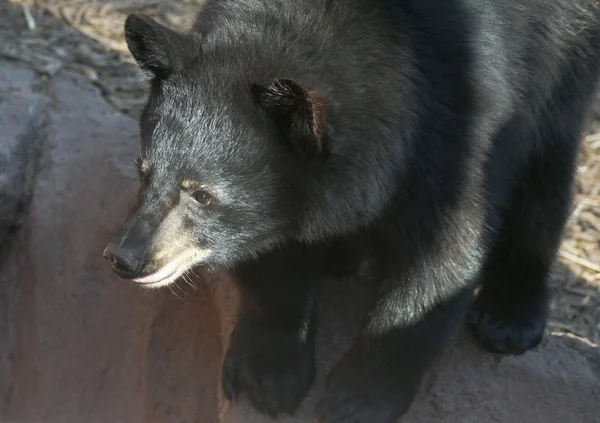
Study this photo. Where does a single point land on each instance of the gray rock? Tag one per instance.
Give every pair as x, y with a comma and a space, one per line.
22, 124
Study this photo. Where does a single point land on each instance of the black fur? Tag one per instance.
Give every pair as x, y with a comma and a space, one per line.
441, 139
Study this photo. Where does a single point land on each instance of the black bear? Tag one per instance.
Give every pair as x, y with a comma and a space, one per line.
435, 139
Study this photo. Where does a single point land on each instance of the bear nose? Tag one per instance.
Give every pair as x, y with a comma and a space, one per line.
123, 261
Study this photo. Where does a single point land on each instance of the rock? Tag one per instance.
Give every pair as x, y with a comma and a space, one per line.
22, 124
77, 344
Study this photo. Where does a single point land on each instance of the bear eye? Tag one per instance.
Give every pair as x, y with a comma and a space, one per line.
202, 197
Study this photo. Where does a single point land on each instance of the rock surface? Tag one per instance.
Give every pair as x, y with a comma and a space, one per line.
79, 345
22, 122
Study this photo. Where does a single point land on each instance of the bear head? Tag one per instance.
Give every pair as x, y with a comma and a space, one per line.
225, 153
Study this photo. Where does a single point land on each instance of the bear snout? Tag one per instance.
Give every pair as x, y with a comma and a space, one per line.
126, 262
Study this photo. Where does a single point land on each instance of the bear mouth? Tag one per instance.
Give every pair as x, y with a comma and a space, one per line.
173, 270
164, 276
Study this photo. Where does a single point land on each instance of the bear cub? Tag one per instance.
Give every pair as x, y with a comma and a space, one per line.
434, 139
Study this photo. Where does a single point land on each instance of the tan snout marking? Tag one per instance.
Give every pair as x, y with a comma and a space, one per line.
171, 237
173, 248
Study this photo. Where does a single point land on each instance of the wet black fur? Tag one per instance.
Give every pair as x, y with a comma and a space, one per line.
446, 161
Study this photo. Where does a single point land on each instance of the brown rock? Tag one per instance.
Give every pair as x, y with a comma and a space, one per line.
80, 345
83, 345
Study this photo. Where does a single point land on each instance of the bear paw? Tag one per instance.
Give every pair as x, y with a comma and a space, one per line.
504, 333
273, 367
365, 390
354, 404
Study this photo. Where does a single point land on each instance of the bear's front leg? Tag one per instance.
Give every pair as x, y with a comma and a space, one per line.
271, 357
407, 326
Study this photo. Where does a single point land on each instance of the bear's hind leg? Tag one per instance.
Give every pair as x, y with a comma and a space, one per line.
510, 312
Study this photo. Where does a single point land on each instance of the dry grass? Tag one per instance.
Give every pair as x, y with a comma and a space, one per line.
103, 20
576, 281
576, 306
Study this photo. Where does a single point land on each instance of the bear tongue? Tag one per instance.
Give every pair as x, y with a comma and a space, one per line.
162, 274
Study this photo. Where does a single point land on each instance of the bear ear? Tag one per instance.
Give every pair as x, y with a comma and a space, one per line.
299, 113
151, 44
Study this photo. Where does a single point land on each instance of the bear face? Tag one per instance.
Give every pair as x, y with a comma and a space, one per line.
222, 160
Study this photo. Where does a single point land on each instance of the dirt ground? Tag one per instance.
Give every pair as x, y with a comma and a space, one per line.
87, 36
